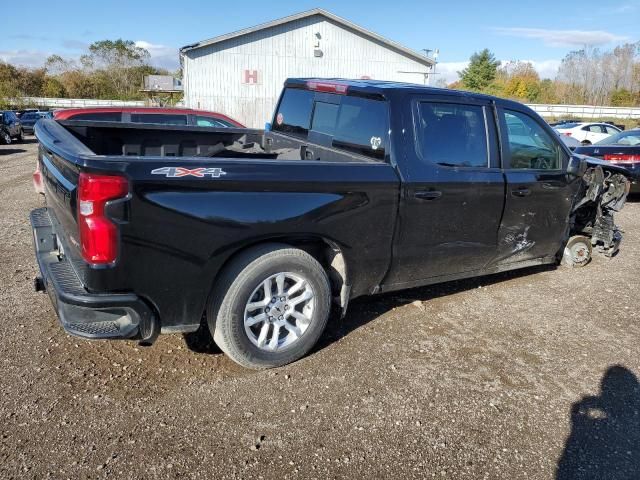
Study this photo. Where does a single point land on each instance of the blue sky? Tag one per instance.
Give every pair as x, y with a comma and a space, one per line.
540, 31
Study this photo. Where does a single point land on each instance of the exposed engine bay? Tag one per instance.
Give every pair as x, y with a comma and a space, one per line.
592, 219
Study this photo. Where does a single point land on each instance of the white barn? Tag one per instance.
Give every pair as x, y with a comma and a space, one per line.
241, 73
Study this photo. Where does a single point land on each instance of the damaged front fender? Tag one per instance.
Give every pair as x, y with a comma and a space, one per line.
603, 191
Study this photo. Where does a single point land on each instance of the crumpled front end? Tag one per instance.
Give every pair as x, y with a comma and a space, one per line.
604, 192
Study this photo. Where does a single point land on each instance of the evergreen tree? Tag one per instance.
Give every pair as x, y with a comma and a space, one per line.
481, 71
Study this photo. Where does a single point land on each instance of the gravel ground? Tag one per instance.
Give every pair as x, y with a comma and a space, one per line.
531, 374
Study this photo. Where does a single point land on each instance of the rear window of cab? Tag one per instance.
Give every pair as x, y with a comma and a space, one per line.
355, 124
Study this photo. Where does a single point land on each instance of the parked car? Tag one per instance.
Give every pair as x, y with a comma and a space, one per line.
588, 133
10, 127
570, 142
621, 149
559, 123
19, 113
358, 187
29, 120
164, 116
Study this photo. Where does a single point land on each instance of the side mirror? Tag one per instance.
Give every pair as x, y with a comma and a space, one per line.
577, 166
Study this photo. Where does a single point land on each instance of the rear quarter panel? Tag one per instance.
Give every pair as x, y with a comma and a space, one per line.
179, 232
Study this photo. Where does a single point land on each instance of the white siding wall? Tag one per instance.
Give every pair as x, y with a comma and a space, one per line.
214, 75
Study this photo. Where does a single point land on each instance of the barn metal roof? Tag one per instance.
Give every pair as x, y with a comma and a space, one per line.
309, 13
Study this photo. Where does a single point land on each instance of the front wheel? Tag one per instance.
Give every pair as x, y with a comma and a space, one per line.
270, 306
6, 138
585, 142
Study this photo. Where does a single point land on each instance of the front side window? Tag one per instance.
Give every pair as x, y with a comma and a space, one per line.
529, 146
211, 122
294, 112
453, 135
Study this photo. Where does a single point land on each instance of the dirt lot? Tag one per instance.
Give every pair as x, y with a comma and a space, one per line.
473, 379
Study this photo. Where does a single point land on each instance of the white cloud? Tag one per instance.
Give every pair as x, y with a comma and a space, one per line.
448, 71
24, 58
546, 68
563, 38
161, 55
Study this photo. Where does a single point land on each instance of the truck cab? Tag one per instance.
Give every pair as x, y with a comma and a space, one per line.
357, 188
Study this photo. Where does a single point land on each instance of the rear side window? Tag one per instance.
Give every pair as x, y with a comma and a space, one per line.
362, 127
98, 116
452, 134
294, 112
164, 119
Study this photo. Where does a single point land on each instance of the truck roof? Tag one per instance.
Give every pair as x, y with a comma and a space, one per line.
380, 87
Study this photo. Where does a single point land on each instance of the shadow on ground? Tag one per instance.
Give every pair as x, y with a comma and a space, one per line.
11, 151
605, 431
365, 309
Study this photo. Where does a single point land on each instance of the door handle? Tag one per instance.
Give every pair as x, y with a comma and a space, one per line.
520, 192
427, 194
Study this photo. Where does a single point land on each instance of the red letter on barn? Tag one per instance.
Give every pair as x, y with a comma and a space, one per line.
250, 76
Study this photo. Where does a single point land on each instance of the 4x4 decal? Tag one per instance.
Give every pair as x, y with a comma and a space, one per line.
174, 172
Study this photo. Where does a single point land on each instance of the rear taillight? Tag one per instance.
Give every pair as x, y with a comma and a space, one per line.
98, 234
622, 158
568, 134
37, 179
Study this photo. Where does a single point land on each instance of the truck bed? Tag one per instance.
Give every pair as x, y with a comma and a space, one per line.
177, 219
116, 139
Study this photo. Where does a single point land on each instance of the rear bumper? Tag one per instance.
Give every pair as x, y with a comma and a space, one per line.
81, 313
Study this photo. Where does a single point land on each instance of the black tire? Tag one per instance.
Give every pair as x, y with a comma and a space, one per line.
6, 138
585, 142
226, 309
20, 137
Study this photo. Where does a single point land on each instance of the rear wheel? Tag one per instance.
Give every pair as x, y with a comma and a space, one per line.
270, 306
6, 138
20, 137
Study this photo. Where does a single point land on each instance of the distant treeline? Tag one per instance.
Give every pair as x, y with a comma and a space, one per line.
585, 77
110, 69
113, 69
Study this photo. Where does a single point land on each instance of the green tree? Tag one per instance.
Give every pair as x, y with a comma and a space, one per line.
482, 70
622, 98
121, 61
53, 88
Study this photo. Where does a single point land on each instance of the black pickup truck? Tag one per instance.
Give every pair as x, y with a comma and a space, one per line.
357, 188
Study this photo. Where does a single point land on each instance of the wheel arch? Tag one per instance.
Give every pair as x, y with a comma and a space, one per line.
330, 254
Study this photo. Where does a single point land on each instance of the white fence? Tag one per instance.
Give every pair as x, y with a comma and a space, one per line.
585, 111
